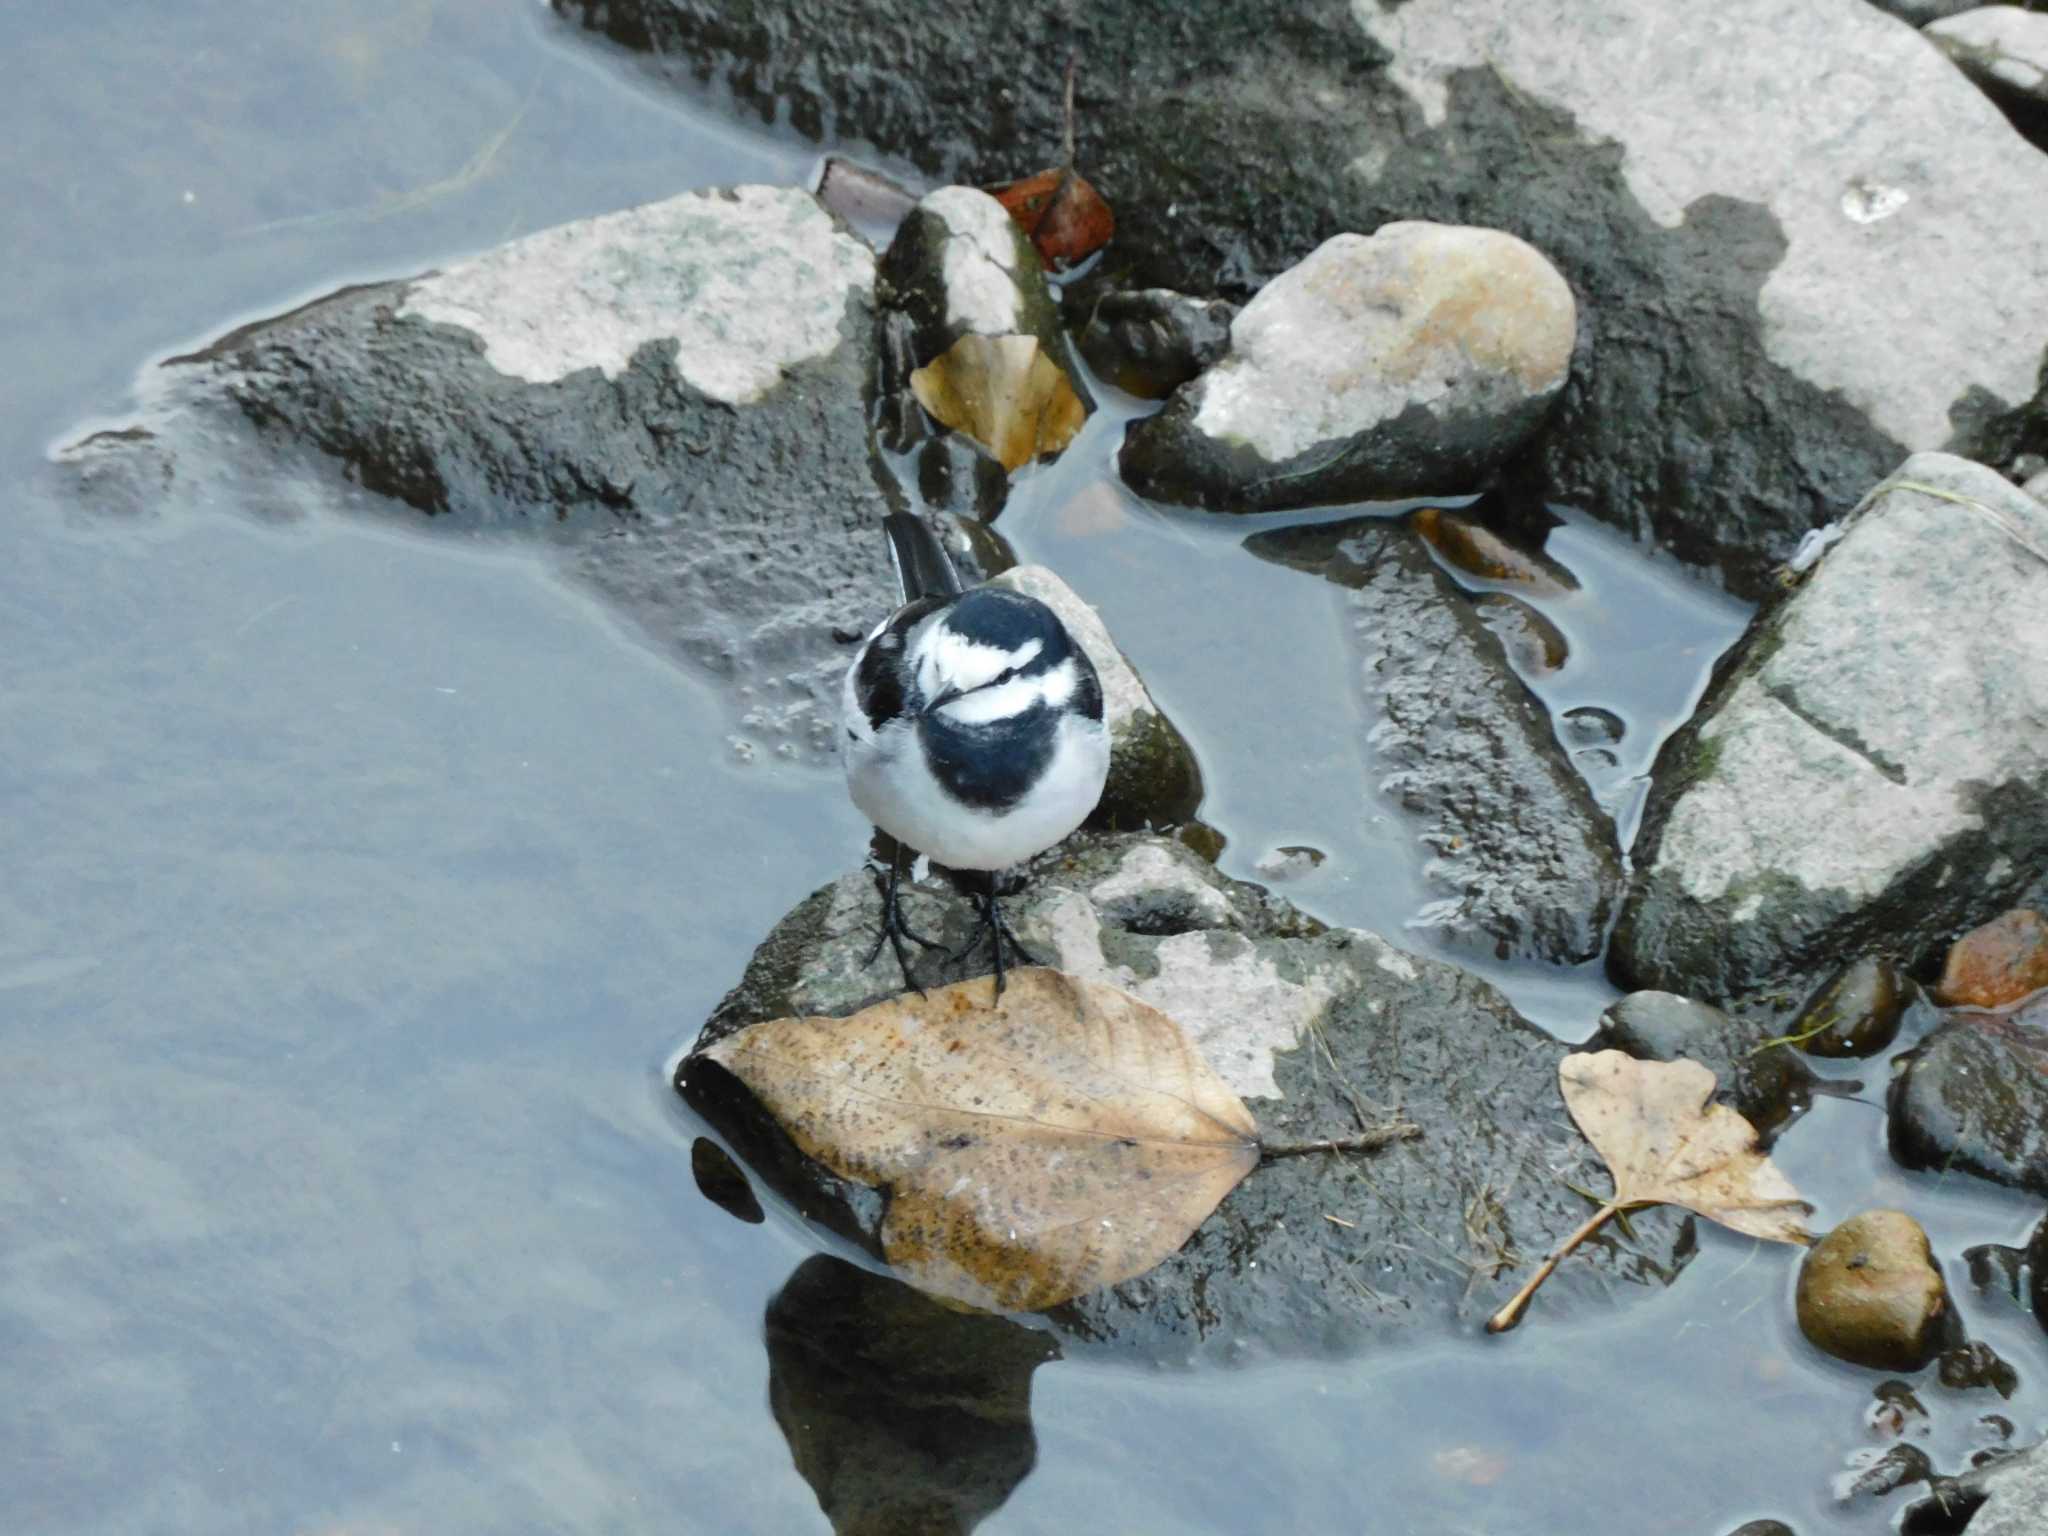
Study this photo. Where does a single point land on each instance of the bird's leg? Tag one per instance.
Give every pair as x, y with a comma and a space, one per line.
998, 929
894, 929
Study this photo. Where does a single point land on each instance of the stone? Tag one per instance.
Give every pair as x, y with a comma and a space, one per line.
2003, 1497
1149, 341
2004, 49
1762, 1528
1875, 1474
670, 398
1865, 774
1288, 863
1855, 1013
959, 266
1975, 1366
1322, 1031
1534, 645
1737, 377
1918, 13
1470, 545
1154, 780
1998, 963
1871, 1294
1769, 1089
1413, 360
1973, 1098
2037, 1271
1523, 862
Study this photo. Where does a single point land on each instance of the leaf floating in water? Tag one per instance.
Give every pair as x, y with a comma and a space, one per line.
1667, 1143
1069, 1138
1005, 393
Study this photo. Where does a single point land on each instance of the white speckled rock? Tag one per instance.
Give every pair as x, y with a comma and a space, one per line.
2005, 50
1872, 774
1153, 777
1414, 359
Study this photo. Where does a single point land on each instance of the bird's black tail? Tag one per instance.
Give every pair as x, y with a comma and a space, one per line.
923, 568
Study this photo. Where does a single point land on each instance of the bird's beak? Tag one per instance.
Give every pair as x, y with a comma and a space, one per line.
943, 699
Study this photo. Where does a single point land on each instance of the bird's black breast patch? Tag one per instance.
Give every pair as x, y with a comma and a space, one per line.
994, 765
882, 685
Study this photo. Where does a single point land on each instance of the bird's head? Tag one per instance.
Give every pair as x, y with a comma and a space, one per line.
994, 655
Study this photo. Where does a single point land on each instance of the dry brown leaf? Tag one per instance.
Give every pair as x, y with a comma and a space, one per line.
1064, 1140
1666, 1142
1066, 218
1005, 393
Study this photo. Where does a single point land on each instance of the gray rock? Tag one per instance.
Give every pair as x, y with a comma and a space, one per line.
1857, 1012
2004, 49
1768, 1088
1154, 779
959, 266
1870, 1293
1149, 341
1742, 319
1416, 359
2006, 1495
1866, 774
2037, 1271
1974, 1097
672, 396
1918, 13
1320, 1030
1524, 860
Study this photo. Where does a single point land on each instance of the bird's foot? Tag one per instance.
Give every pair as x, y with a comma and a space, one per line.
996, 928
896, 928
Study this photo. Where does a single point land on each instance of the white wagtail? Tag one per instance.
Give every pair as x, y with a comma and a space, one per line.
974, 733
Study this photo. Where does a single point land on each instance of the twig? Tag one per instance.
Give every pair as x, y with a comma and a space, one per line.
1511, 1313
1073, 63
1366, 1141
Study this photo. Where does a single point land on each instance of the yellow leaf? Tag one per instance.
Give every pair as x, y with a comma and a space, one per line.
1005, 393
1064, 1140
1666, 1142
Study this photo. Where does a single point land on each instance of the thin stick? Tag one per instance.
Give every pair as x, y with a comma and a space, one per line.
1367, 1141
1511, 1314
1073, 63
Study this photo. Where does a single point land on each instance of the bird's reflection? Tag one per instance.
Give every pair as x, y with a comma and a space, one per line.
907, 1418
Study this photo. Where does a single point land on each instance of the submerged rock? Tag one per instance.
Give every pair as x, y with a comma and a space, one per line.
1974, 1098
1416, 359
2004, 49
1767, 1088
1870, 1293
1737, 272
1866, 773
672, 396
1150, 341
1523, 859
1154, 779
1998, 963
1322, 1031
1469, 544
1857, 1013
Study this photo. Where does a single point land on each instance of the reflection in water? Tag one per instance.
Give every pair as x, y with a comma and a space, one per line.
721, 1181
906, 1418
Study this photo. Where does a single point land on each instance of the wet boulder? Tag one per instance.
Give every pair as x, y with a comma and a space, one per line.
1856, 1012
2004, 1497
1413, 360
1154, 779
1974, 1097
1865, 774
1870, 1293
1768, 1088
1523, 862
2004, 49
1737, 373
671, 397
1322, 1032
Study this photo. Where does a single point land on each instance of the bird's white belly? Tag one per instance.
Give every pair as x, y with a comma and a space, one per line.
889, 781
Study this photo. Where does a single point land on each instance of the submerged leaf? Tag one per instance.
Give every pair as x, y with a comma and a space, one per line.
1666, 1142
1005, 393
1069, 1138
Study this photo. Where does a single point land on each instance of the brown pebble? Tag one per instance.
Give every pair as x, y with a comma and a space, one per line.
1997, 964
1870, 1293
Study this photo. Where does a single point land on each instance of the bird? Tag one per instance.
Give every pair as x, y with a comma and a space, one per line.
974, 735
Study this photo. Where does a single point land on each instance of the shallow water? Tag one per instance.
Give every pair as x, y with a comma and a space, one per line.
359, 882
